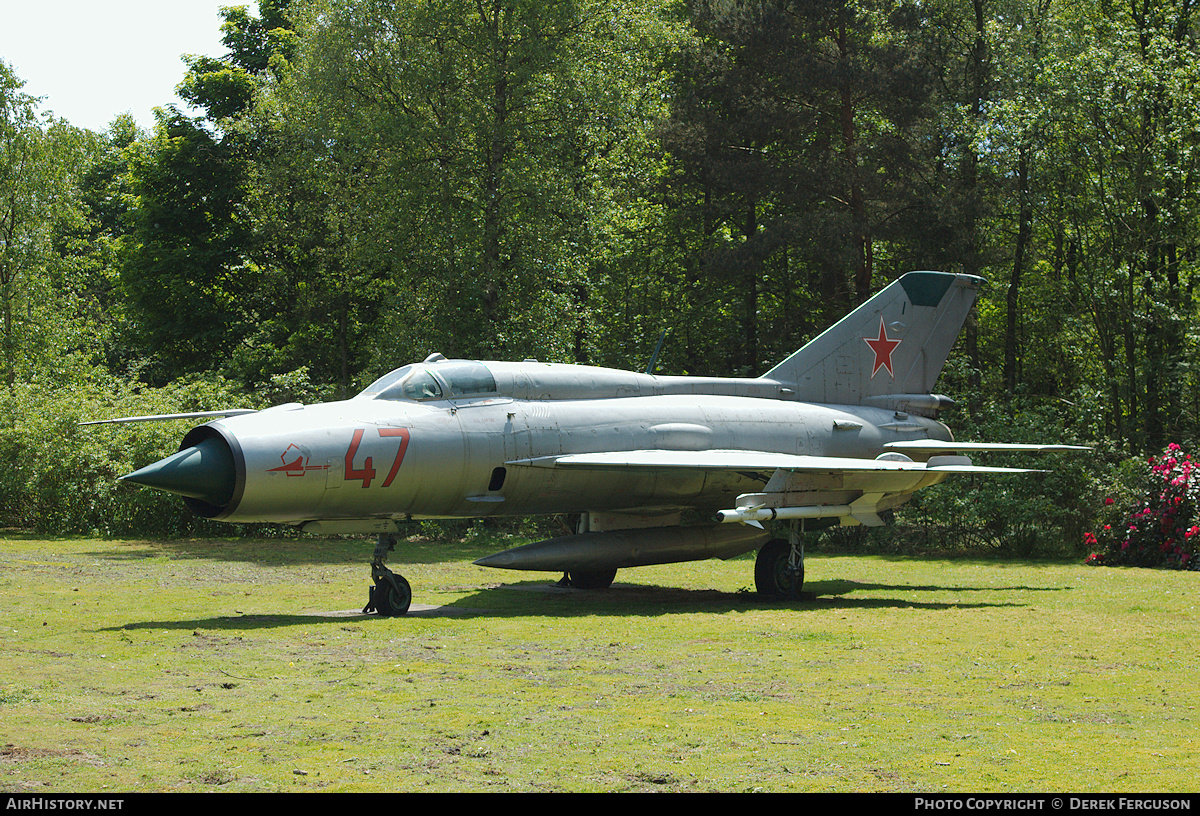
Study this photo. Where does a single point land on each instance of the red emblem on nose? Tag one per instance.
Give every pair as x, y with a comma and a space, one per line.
295, 462
883, 346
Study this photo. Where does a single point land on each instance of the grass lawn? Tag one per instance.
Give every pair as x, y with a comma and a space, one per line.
245, 665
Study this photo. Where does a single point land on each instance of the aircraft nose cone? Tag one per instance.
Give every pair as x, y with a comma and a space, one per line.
204, 471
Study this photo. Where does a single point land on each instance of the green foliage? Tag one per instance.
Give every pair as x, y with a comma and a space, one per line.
255, 42
62, 478
1031, 514
45, 326
185, 279
459, 162
791, 143
223, 90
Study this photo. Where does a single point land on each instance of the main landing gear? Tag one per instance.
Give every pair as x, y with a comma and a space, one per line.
390, 595
585, 578
779, 568
588, 579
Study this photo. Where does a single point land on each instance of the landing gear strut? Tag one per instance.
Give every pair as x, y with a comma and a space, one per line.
779, 568
390, 595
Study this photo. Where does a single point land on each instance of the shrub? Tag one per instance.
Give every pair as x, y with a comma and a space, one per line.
1158, 530
1040, 514
62, 478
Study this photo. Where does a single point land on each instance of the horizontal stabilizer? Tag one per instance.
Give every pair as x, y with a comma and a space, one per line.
938, 446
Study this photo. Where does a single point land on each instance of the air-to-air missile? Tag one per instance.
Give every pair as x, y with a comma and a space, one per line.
658, 469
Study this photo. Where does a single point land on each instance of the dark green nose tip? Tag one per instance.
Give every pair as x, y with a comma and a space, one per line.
204, 471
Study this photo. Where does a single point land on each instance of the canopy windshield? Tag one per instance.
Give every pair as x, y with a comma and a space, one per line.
455, 378
407, 383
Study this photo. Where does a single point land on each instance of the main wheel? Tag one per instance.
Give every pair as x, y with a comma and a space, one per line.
392, 596
773, 577
592, 579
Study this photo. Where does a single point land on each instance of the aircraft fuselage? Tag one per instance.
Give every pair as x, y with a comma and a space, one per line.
374, 458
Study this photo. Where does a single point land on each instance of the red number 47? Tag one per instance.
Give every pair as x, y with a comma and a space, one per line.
366, 473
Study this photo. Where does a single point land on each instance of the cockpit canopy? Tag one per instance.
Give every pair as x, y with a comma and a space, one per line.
443, 380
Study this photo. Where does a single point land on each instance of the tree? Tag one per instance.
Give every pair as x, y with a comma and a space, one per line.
792, 132
41, 160
189, 279
1123, 189
185, 278
457, 148
226, 88
21, 218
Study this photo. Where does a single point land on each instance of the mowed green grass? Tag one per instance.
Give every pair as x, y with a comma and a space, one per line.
244, 665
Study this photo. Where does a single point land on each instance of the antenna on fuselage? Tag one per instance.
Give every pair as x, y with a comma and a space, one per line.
657, 349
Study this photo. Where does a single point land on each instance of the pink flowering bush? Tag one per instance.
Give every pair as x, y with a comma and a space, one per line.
1161, 530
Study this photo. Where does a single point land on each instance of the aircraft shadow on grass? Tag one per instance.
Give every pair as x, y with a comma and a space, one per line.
544, 599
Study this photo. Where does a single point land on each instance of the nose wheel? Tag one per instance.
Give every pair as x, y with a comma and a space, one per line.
390, 595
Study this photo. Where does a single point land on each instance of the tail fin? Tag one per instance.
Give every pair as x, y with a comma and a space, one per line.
895, 343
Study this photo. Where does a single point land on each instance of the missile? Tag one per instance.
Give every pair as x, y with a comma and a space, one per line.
617, 549
748, 515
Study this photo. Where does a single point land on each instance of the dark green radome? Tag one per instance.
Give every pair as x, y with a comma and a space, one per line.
204, 471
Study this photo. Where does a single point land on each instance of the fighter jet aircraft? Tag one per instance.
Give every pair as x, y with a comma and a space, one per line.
659, 469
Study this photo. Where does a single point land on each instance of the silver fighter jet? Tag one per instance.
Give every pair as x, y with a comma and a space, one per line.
659, 469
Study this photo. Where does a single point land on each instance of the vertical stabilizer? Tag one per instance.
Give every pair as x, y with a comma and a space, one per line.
895, 343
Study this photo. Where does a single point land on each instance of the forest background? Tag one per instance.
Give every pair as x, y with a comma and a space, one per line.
371, 181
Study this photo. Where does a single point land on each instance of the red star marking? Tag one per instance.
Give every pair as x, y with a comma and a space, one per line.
883, 346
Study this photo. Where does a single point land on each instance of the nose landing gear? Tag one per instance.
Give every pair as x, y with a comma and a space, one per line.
390, 595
